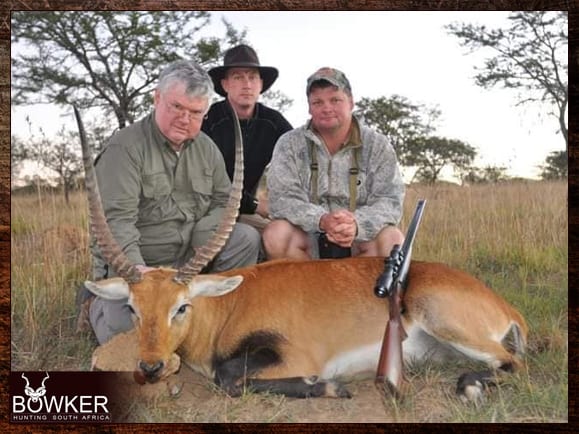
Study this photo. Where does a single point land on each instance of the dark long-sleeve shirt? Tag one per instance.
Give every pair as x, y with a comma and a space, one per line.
260, 134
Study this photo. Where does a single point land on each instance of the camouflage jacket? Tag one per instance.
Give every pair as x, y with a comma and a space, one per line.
380, 189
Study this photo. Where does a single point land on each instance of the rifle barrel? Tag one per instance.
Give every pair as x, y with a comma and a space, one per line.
413, 227
392, 282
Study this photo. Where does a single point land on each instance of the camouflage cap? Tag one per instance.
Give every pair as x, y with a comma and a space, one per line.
331, 75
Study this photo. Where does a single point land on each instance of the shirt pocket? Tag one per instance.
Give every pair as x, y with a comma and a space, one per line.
361, 188
156, 185
195, 198
202, 182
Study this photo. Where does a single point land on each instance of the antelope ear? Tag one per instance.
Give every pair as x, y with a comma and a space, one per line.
115, 288
207, 285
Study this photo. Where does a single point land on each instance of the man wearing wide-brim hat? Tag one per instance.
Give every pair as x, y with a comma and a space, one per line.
241, 80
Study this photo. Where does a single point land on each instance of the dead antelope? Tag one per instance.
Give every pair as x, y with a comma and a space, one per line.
298, 327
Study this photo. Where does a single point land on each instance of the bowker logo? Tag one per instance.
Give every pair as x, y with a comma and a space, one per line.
38, 406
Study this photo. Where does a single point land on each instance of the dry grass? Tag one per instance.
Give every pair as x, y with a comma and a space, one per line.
49, 260
512, 236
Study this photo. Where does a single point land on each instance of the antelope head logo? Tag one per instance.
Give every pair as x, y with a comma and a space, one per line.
33, 394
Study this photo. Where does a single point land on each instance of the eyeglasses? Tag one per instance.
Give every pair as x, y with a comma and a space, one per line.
179, 111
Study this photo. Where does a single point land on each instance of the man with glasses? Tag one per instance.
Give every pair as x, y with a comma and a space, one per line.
164, 187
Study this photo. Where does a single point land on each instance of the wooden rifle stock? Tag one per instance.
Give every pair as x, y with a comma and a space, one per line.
390, 372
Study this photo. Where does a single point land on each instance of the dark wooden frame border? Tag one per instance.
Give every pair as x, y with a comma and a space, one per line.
7, 6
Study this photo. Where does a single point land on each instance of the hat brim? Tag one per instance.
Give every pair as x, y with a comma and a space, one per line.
268, 75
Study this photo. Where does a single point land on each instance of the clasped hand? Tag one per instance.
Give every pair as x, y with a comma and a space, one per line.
340, 227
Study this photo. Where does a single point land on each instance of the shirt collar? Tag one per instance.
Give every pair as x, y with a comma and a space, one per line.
229, 111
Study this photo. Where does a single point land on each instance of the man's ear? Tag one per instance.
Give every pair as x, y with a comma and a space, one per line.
225, 84
351, 99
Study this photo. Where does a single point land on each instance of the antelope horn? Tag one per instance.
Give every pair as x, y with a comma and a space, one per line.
45, 378
110, 249
204, 254
27, 383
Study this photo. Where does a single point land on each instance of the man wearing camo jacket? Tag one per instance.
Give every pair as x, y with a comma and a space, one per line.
334, 184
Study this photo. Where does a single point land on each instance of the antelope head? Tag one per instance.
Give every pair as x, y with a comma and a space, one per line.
160, 300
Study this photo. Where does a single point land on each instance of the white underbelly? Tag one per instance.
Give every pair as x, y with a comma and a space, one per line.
352, 363
364, 359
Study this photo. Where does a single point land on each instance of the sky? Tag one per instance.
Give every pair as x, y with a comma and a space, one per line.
382, 54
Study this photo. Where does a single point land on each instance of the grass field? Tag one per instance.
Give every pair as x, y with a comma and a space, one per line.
512, 236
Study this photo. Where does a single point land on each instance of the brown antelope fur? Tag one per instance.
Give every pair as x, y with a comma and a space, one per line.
307, 316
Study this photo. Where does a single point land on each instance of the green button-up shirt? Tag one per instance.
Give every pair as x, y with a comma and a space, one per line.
154, 198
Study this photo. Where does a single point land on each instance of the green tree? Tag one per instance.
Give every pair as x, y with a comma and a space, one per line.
63, 158
276, 100
487, 174
396, 117
529, 56
431, 154
409, 127
109, 60
556, 166
57, 155
494, 174
17, 156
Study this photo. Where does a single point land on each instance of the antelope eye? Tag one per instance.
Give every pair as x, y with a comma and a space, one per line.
182, 309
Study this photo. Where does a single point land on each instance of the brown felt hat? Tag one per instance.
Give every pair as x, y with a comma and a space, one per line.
242, 56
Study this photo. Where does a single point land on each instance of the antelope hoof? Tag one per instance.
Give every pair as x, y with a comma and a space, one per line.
337, 390
471, 386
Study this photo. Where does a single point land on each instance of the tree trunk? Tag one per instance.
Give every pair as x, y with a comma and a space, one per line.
66, 189
563, 126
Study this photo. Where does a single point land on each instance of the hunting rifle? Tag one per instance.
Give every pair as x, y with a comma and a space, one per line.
392, 283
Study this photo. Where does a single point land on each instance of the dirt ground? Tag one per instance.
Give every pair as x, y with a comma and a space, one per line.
429, 395
198, 400
189, 397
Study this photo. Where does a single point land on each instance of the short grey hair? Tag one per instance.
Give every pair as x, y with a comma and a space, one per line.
196, 80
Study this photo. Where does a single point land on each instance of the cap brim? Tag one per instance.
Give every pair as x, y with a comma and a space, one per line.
268, 74
326, 79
